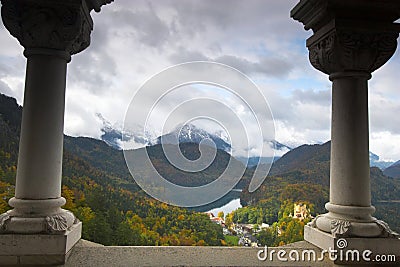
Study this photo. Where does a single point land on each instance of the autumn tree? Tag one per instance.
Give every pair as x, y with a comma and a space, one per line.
221, 214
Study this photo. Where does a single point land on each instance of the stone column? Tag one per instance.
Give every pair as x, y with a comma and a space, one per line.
50, 31
38, 181
350, 41
349, 207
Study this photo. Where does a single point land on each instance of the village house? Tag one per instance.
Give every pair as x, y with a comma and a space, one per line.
301, 212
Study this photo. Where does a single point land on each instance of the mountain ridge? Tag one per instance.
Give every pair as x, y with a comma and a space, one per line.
393, 170
112, 208
302, 173
188, 133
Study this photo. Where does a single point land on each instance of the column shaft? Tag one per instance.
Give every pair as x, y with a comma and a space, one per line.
349, 173
41, 141
350, 210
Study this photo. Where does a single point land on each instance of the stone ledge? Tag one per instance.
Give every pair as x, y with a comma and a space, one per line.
30, 249
347, 245
86, 254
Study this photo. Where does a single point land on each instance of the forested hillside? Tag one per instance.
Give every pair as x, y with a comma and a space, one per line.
393, 170
101, 193
302, 175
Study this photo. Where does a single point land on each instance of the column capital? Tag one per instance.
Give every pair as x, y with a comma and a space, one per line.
358, 35
46, 25
348, 46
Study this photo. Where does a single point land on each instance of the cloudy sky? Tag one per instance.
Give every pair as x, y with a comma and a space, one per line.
134, 40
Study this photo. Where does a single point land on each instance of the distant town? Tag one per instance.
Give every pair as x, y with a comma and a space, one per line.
246, 234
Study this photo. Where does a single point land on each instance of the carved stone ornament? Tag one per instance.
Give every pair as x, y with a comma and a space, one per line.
96, 4
340, 227
3, 220
386, 231
351, 50
47, 24
313, 223
57, 223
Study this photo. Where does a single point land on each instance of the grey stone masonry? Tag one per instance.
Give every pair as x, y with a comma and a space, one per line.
38, 230
351, 40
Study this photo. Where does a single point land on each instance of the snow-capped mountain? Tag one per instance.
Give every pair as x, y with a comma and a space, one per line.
189, 133
374, 161
112, 135
279, 146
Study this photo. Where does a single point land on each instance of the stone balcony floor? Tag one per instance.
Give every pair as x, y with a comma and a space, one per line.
86, 253
89, 254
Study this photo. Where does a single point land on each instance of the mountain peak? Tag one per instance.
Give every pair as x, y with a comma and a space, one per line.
280, 146
189, 133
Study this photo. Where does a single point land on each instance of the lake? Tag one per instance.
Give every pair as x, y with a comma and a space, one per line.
229, 202
228, 208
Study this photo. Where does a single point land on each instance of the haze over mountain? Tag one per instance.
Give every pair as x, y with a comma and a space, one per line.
189, 133
374, 161
279, 149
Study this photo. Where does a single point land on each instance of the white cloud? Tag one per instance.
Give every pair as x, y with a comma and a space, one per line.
386, 145
132, 42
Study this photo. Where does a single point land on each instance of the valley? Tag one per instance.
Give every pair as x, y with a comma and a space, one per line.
101, 192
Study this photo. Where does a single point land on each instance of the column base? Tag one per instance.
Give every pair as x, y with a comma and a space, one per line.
38, 249
355, 250
351, 221
36, 217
